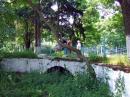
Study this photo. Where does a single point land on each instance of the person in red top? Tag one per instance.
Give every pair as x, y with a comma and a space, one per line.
69, 43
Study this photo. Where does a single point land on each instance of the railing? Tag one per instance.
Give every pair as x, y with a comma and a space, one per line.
99, 50
103, 51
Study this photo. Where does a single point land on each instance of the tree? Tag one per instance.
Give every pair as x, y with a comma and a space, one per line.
112, 31
38, 26
125, 6
7, 26
25, 13
57, 22
90, 19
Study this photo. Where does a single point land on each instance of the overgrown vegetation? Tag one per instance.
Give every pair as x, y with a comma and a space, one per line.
50, 85
118, 60
121, 60
60, 54
23, 54
94, 58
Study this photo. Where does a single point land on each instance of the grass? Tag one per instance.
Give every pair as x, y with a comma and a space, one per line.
121, 60
94, 58
23, 54
118, 60
50, 85
60, 54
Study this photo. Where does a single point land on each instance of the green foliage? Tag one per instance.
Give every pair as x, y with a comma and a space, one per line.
24, 54
121, 60
118, 60
120, 86
90, 18
107, 3
7, 27
112, 31
47, 35
47, 50
72, 55
58, 54
93, 57
50, 85
12, 27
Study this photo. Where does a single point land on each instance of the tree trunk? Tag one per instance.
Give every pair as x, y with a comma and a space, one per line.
27, 40
128, 45
37, 36
27, 37
125, 5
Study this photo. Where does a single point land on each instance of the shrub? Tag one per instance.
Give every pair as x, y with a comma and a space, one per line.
121, 60
93, 57
24, 54
50, 85
118, 60
58, 54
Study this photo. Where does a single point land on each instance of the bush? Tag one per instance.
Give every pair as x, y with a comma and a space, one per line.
93, 57
24, 54
58, 54
121, 60
50, 85
118, 60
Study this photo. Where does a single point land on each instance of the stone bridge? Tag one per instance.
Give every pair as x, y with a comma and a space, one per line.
42, 65
114, 78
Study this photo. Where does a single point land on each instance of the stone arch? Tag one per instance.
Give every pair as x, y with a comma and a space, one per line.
58, 69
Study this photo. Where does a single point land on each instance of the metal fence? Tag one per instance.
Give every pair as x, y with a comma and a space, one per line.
98, 50
103, 51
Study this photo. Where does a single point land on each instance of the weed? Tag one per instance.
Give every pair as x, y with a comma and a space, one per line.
24, 54
50, 85
118, 60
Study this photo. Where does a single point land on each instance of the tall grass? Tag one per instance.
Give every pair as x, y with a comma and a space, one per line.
50, 85
118, 60
94, 58
23, 54
121, 60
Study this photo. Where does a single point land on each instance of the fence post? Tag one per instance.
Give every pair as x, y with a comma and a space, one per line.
101, 51
97, 50
116, 50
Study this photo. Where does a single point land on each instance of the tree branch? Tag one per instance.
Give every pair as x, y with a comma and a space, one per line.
54, 29
120, 1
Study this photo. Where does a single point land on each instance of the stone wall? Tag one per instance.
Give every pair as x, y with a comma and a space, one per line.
118, 81
41, 65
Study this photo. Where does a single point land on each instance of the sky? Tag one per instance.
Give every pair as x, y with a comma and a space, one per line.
55, 8
107, 13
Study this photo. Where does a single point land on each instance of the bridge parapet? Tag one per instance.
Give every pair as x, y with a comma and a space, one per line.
42, 65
